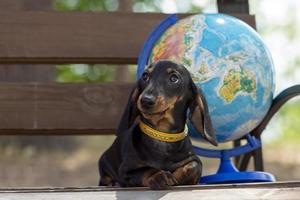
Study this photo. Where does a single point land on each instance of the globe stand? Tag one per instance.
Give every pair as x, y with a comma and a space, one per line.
227, 172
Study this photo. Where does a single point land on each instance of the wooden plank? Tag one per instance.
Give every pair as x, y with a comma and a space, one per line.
37, 5
17, 5
230, 194
53, 108
242, 191
71, 37
122, 71
233, 6
20, 73
27, 73
10, 5
267, 185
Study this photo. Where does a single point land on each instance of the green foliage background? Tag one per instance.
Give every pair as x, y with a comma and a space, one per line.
86, 5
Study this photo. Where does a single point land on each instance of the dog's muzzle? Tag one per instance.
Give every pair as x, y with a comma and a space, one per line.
148, 101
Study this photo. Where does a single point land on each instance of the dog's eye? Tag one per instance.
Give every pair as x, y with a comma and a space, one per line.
145, 77
174, 78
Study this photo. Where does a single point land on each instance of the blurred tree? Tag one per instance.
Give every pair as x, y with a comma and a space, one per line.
86, 5
290, 120
85, 73
284, 30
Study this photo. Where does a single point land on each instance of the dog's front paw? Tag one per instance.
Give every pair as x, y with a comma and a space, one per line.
188, 174
161, 180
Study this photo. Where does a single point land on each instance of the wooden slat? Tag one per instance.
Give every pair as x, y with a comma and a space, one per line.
236, 191
17, 5
262, 185
10, 5
61, 108
233, 6
27, 73
70, 37
229, 194
20, 73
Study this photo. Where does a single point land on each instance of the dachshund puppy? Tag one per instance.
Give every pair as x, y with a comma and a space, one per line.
152, 148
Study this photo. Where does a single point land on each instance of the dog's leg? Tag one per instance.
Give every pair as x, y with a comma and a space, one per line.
149, 177
106, 181
188, 174
159, 180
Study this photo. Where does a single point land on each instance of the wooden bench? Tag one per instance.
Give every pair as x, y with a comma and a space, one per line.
31, 37
53, 38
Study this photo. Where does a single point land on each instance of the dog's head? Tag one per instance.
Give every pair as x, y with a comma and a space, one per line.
162, 97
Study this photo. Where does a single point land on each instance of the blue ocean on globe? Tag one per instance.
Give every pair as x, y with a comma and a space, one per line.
232, 65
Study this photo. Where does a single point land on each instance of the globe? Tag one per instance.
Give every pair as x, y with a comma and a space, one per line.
229, 61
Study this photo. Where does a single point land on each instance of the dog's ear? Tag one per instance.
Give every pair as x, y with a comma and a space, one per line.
131, 111
199, 115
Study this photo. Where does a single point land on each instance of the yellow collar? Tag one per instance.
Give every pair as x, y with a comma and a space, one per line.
162, 136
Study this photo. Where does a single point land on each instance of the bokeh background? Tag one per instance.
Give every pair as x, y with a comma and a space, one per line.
72, 160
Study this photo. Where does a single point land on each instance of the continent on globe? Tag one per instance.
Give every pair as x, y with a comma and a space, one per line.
237, 81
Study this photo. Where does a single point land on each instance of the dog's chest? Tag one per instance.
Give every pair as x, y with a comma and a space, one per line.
166, 156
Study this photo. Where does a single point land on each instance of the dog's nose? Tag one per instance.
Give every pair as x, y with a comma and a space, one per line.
148, 101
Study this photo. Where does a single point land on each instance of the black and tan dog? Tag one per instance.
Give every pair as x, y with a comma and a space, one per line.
151, 148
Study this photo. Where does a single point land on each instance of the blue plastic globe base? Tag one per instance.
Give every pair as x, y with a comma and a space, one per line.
227, 173
237, 177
